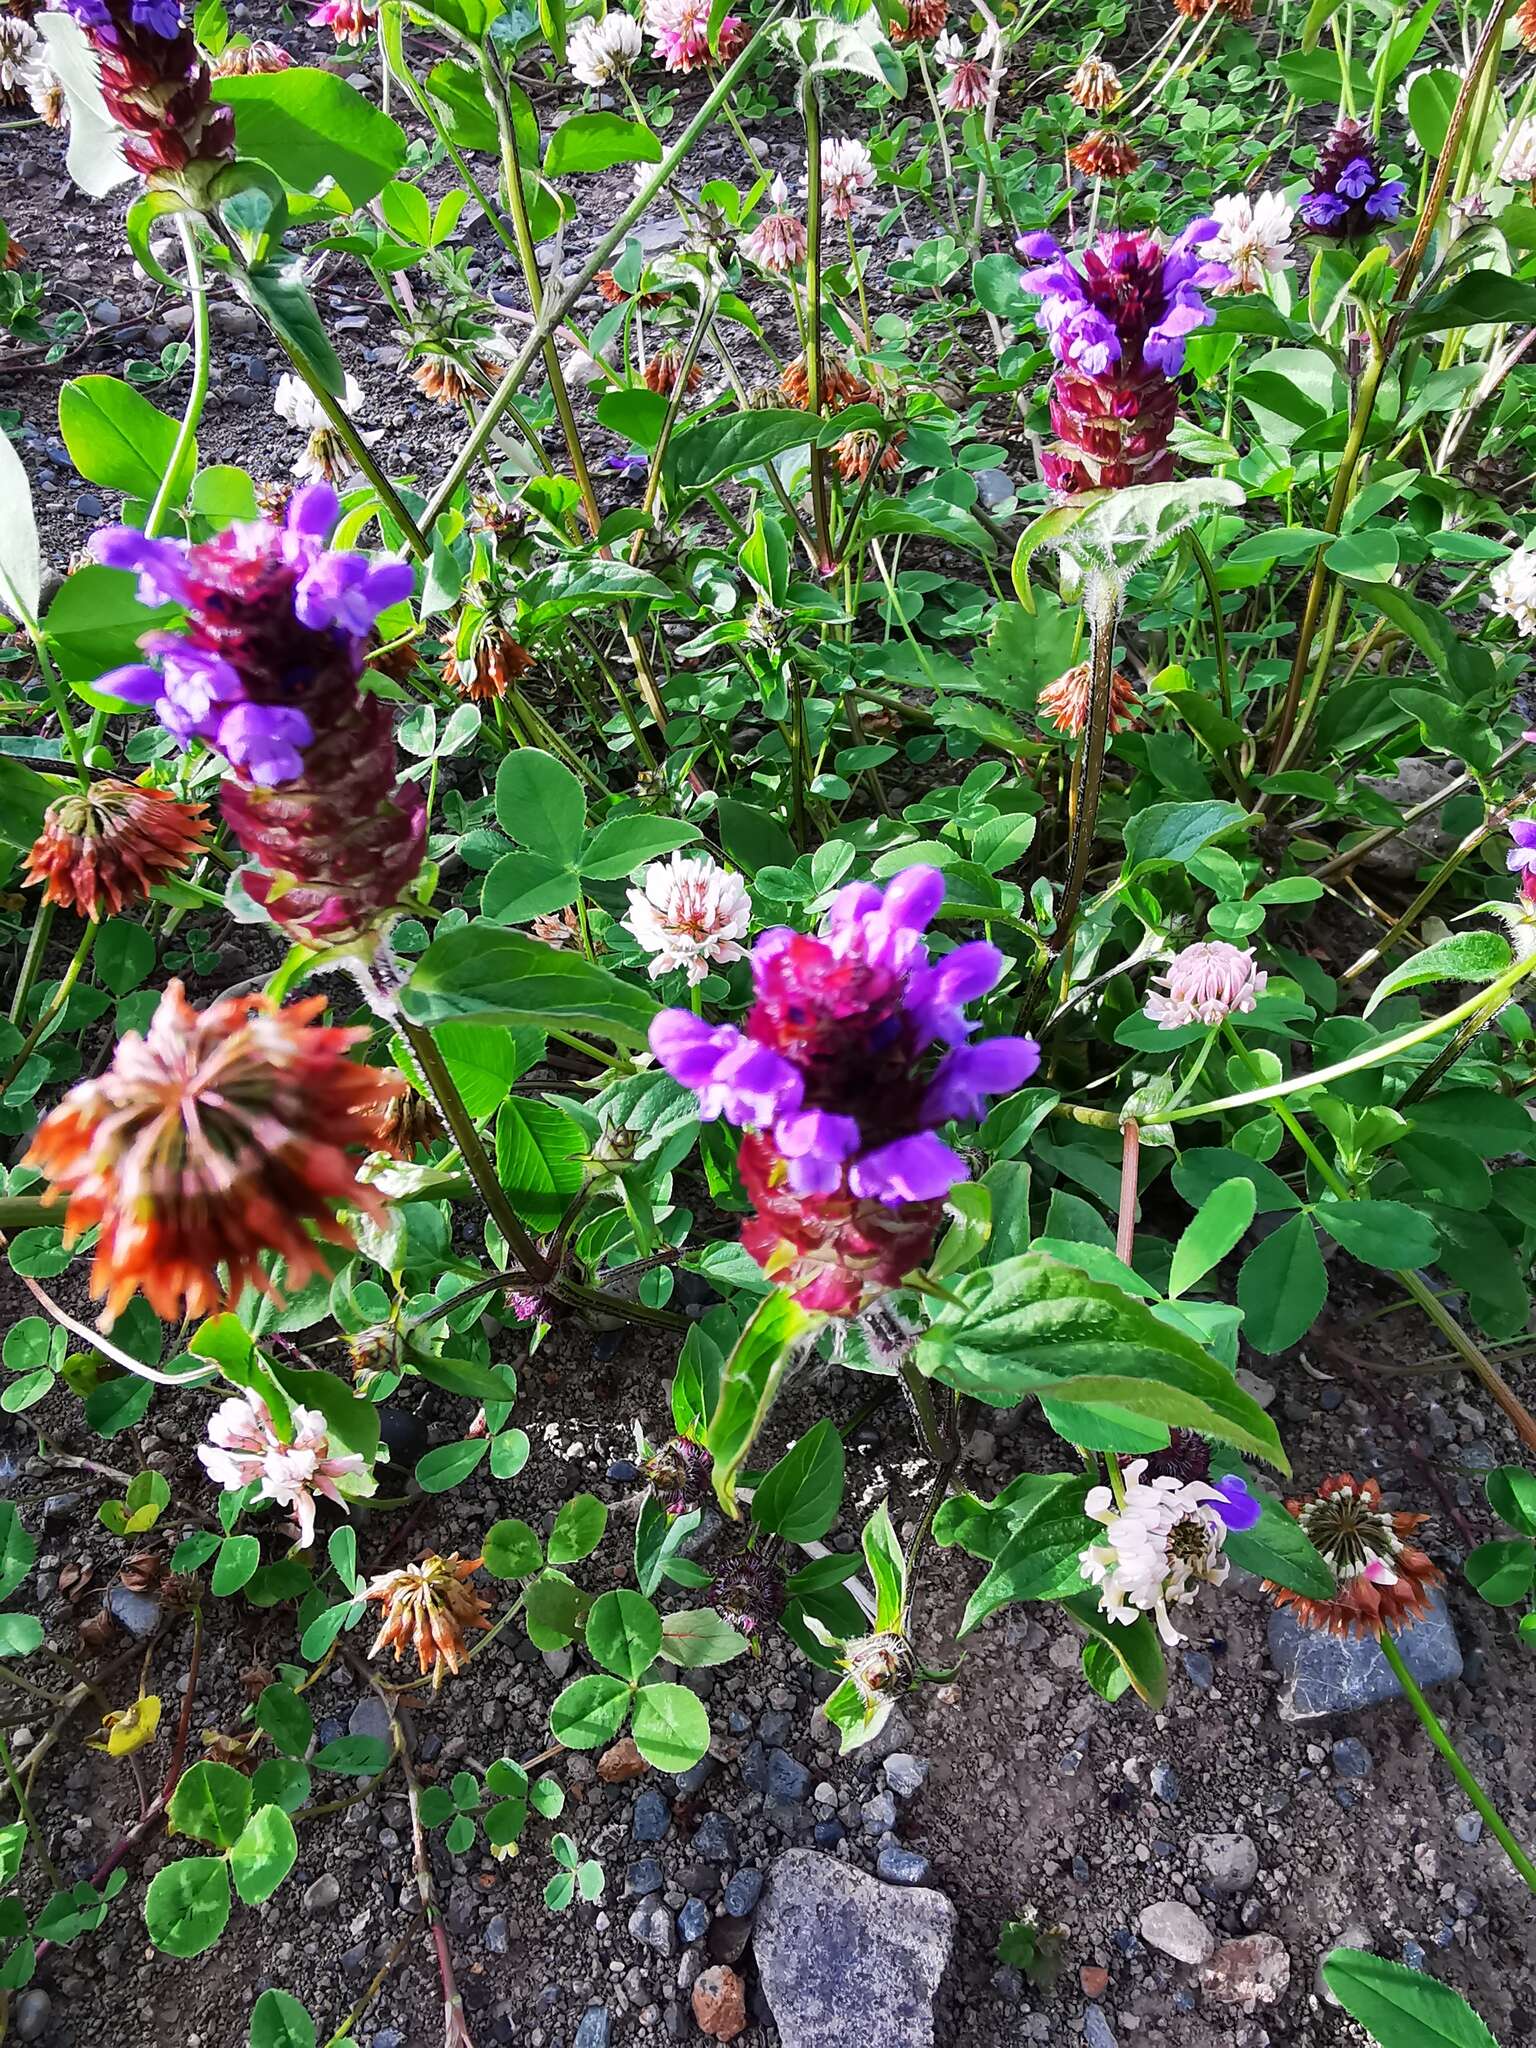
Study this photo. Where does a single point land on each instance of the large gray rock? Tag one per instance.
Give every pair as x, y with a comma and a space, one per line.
846, 1962
1327, 1674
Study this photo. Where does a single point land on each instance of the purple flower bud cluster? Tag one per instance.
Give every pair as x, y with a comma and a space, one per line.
155, 17
277, 624
834, 1065
1126, 303
1521, 858
1349, 196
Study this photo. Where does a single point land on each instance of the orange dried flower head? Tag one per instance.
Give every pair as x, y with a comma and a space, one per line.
1103, 154
427, 1609
860, 452
250, 60
1385, 1580
15, 255
406, 1120
925, 22
841, 384
1064, 703
1096, 87
615, 295
439, 375
563, 928
493, 661
105, 847
666, 367
213, 1137
1525, 24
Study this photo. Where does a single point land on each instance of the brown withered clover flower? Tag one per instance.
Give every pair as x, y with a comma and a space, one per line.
1385, 1580
1064, 703
106, 847
428, 1609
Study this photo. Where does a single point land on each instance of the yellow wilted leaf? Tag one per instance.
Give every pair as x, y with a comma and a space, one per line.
130, 1728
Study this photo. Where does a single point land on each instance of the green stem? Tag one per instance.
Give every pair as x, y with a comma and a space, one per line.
186, 436
23, 1807
811, 110
55, 1003
461, 1125
920, 1394
1434, 1729
32, 960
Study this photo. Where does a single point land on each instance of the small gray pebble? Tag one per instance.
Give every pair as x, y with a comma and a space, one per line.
787, 1780
743, 1892
1351, 1758
906, 1775
652, 1816
714, 1840
1165, 1784
643, 1878
1096, 2029
902, 1866
693, 1921
593, 2030
1199, 1669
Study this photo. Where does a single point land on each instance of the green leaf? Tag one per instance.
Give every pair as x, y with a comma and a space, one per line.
596, 142
1277, 1548
1511, 1494
314, 129
187, 1905
276, 291
482, 975
1204, 1168
1212, 1233
1039, 1560
238, 1558
18, 1550
623, 1633
1135, 1646
1503, 1571
117, 439
800, 1497
20, 1635
278, 2021
670, 1727
578, 1529
696, 1637
1491, 1124
619, 847
748, 1384
285, 1717
1399, 2007
541, 804
729, 444
1128, 527
1035, 1326
887, 1569
1165, 835
511, 1550
536, 1160
448, 1466
1282, 1287
461, 1376
212, 1803
1387, 1234
353, 1756
1482, 298
280, 1781
591, 1712
526, 885
267, 1850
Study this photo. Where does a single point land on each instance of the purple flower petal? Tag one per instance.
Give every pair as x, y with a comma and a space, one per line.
161, 565
917, 1169
815, 1143
912, 900
313, 512
265, 742
1386, 202
1237, 1506
1039, 247
135, 683
966, 1077
746, 1083
1356, 178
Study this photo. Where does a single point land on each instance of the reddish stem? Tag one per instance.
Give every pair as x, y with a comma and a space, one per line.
1130, 1170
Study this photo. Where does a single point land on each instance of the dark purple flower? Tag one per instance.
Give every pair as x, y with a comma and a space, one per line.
1349, 196
1521, 858
837, 1074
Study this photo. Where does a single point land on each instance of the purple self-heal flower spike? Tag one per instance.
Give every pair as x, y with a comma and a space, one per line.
135, 683
1236, 1506
1039, 247
1089, 342
1356, 178
1322, 209
313, 512
1521, 857
917, 1169
966, 1077
160, 565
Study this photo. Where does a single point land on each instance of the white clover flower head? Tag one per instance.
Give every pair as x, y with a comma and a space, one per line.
600, 51
20, 49
297, 406
691, 913
1520, 156
243, 1447
1512, 590
949, 49
779, 241
847, 172
1254, 240
1207, 983
1159, 1547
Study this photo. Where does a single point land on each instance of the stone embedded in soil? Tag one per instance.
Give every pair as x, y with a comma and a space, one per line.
847, 1962
1252, 1972
906, 1775
594, 2029
1351, 1758
34, 2009
616, 1766
136, 1612
653, 1924
652, 1816
902, 1866
1175, 1930
322, 1895
1230, 1862
743, 1892
720, 2003
714, 1840
1325, 1674
1094, 1979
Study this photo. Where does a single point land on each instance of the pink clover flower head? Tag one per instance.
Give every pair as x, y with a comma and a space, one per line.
779, 242
680, 30
691, 914
847, 173
244, 1448
1207, 983
349, 21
